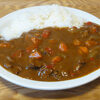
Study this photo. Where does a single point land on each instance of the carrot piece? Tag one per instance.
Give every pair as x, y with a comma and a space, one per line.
92, 59
45, 33
76, 42
89, 23
83, 49
56, 59
4, 45
63, 47
35, 40
35, 54
72, 74
49, 50
49, 66
93, 29
90, 43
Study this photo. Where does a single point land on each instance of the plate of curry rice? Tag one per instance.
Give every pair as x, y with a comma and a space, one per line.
49, 47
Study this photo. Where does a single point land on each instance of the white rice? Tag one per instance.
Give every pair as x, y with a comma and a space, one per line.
13, 25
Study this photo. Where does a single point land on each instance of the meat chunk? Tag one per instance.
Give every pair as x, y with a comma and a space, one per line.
63, 47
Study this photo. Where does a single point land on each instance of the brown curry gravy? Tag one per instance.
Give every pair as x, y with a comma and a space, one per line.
53, 54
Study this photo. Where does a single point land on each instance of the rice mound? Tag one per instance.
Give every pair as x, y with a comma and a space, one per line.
14, 24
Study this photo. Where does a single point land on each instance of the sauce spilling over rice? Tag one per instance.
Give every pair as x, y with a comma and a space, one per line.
53, 54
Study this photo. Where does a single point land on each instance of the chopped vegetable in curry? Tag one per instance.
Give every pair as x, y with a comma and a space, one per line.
53, 54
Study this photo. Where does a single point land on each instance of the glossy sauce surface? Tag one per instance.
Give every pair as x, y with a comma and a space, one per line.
53, 54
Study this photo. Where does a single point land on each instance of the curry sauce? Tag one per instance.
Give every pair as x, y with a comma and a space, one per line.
53, 54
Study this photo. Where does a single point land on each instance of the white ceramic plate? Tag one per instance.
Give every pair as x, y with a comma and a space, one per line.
54, 85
